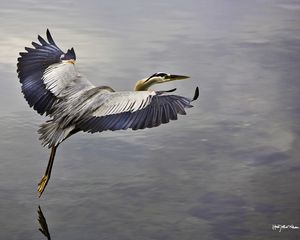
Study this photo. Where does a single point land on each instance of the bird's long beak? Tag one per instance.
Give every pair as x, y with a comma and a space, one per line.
172, 77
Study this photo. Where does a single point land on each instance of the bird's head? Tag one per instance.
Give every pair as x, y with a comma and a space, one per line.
159, 77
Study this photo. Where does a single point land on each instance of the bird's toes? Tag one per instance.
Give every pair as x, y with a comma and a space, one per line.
42, 185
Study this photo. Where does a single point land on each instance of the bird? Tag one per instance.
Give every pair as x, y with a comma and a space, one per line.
52, 86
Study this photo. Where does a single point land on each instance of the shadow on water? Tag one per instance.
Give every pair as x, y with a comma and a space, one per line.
43, 224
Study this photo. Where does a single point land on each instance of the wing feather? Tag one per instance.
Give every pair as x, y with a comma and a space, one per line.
132, 112
44, 77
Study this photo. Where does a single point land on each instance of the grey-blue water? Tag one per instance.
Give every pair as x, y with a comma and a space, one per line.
228, 170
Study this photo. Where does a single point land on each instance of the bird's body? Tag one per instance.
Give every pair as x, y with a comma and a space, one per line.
52, 85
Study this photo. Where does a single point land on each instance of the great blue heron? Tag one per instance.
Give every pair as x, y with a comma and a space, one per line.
52, 85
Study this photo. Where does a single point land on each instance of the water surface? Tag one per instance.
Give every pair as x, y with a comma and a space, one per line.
228, 170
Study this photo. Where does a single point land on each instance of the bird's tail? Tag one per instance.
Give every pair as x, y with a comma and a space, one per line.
52, 134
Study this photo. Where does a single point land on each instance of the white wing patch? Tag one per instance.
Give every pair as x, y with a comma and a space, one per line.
58, 76
120, 102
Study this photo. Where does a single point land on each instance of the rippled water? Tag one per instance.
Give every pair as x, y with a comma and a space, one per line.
228, 170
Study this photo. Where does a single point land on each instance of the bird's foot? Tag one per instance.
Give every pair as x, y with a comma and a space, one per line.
42, 185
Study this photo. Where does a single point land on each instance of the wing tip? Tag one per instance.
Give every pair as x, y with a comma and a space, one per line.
171, 90
70, 54
196, 94
36, 45
49, 37
42, 40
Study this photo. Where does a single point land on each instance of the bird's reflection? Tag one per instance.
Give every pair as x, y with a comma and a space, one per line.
43, 224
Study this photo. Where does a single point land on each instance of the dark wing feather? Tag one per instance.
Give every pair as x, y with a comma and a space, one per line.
160, 110
31, 66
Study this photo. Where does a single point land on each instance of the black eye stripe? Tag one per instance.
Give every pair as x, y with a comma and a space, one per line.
159, 74
151, 77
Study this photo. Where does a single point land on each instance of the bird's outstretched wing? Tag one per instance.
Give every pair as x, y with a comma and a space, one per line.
46, 74
135, 110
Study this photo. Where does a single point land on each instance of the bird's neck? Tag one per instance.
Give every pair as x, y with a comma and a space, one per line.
141, 85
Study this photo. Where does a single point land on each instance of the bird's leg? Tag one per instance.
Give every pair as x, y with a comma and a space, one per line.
43, 183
